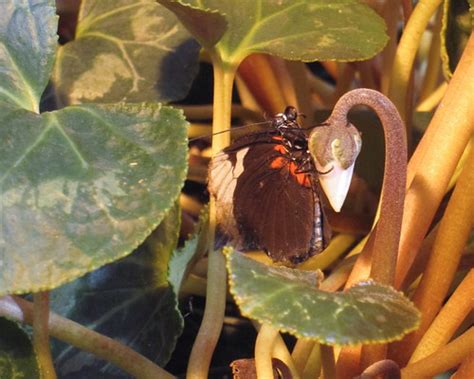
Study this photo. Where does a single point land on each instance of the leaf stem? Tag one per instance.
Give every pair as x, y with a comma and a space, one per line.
448, 320
445, 358
451, 238
41, 335
20, 310
263, 351
327, 361
435, 159
206, 340
406, 52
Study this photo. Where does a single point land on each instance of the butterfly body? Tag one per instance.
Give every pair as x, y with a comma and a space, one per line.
267, 194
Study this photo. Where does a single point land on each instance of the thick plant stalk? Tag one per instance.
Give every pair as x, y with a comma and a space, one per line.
258, 75
380, 252
406, 52
263, 351
435, 159
210, 329
41, 335
384, 245
451, 238
445, 358
448, 320
130, 361
301, 353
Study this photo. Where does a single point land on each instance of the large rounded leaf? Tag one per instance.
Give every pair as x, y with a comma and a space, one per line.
306, 30
82, 187
126, 50
129, 300
366, 313
27, 44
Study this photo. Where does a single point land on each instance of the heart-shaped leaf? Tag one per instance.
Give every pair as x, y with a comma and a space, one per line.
27, 45
134, 292
17, 358
82, 187
125, 50
366, 313
306, 30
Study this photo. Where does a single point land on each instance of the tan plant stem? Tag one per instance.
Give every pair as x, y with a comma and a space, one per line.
41, 335
258, 75
445, 358
448, 320
301, 353
210, 329
327, 361
302, 89
263, 351
466, 368
312, 368
435, 159
20, 310
430, 81
451, 238
281, 352
391, 15
406, 52
204, 112
285, 81
432, 100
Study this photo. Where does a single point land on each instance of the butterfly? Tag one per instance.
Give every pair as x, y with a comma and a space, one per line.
267, 192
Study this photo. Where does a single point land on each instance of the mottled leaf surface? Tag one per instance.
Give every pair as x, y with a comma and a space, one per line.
306, 30
17, 358
366, 313
126, 50
129, 300
27, 45
458, 17
82, 187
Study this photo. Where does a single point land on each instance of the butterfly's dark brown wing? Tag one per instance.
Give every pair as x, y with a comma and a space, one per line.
261, 203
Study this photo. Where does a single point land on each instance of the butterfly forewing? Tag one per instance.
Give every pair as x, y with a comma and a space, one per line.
262, 200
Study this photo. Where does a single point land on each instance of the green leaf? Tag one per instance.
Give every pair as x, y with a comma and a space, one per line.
82, 187
17, 358
182, 260
458, 20
126, 50
132, 292
366, 313
27, 46
306, 30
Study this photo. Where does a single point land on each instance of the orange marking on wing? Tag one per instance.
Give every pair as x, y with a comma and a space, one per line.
282, 162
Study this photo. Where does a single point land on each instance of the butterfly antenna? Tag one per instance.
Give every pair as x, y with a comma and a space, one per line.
228, 130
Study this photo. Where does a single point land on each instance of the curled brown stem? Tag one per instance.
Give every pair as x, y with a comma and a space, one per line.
385, 237
387, 366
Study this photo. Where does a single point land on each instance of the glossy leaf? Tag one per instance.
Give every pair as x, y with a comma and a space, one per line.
17, 358
126, 50
82, 187
305, 30
458, 21
129, 300
27, 45
366, 313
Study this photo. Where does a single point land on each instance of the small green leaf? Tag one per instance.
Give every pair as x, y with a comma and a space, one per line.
306, 30
366, 313
27, 46
17, 358
82, 187
126, 50
129, 300
458, 19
